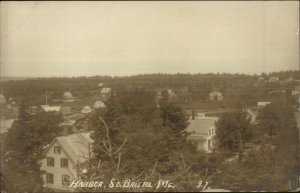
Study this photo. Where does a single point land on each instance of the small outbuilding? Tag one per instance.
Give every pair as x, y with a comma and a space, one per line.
86, 110
99, 105
68, 97
216, 95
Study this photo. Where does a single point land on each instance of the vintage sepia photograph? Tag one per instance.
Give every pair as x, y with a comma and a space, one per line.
149, 96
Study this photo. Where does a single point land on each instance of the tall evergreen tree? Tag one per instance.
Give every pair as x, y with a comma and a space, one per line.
20, 166
23, 149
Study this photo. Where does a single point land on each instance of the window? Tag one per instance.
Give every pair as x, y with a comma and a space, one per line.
209, 144
50, 161
63, 162
57, 149
49, 178
65, 180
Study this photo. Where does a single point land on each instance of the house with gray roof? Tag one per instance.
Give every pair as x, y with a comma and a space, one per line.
62, 158
202, 132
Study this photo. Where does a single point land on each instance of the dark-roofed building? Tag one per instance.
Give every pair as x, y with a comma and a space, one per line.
62, 157
202, 132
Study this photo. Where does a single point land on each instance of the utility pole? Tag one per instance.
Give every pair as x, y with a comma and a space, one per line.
284, 98
46, 96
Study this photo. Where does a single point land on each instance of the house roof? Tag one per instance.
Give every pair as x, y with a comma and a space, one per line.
99, 104
76, 146
253, 114
68, 95
5, 125
201, 125
170, 92
48, 108
263, 103
215, 92
86, 108
105, 90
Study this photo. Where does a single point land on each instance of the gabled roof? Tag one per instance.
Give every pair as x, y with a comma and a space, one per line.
68, 95
76, 146
201, 125
253, 115
99, 104
170, 92
48, 108
263, 103
86, 108
105, 90
101, 84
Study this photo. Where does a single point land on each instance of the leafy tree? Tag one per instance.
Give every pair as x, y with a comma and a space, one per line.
271, 119
233, 130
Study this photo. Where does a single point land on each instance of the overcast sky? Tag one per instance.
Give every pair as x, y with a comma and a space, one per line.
125, 38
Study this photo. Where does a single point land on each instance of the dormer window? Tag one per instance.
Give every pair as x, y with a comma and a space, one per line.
57, 150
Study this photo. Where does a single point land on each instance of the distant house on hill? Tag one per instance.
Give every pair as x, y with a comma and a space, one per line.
253, 115
68, 97
202, 132
99, 105
216, 95
274, 79
65, 110
287, 81
86, 110
2, 99
296, 90
101, 84
171, 94
48, 108
105, 92
62, 160
261, 79
262, 104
